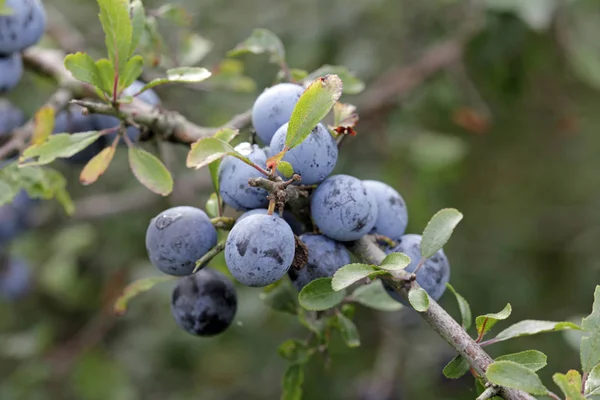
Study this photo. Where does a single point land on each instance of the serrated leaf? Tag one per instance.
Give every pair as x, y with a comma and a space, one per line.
531, 359
418, 299
180, 75
193, 49
138, 24
62, 145
348, 330
281, 296
456, 368
314, 104
97, 166
83, 68
132, 71
285, 168
351, 273
395, 261
318, 295
294, 351
352, 85
292, 382
150, 171
106, 76
569, 384
533, 327
438, 231
463, 306
373, 295
590, 345
118, 29
485, 323
44, 124
135, 288
212, 205
592, 384
261, 41
515, 376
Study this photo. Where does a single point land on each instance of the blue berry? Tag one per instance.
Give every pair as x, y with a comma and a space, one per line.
392, 216
260, 250
14, 217
288, 217
273, 108
176, 238
23, 27
343, 209
11, 71
15, 278
205, 303
314, 158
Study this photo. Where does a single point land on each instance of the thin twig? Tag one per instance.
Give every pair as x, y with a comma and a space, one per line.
212, 253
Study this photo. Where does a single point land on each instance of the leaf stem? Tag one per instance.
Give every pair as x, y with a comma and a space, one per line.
419, 265
212, 253
553, 395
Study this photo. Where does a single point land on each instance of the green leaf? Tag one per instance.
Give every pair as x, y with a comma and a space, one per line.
590, 345
352, 85
228, 75
193, 49
97, 166
456, 368
348, 331
463, 305
569, 384
318, 295
138, 24
351, 273
150, 171
314, 104
419, 299
62, 145
83, 68
395, 261
118, 30
294, 351
226, 135
292, 382
438, 231
44, 124
285, 168
132, 71
180, 75
212, 205
515, 376
281, 296
8, 191
533, 327
531, 359
208, 150
373, 295
592, 384
106, 76
135, 288
261, 41
485, 323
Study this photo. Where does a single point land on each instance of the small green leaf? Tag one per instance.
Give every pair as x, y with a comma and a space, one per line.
318, 295
193, 49
226, 135
114, 16
419, 299
348, 330
83, 68
106, 76
62, 145
207, 150
590, 345
261, 41
456, 368
212, 205
285, 168
531, 359
569, 384
314, 104
150, 171
132, 71
533, 327
44, 124
592, 384
135, 288
281, 296
485, 323
438, 231
180, 75
373, 295
229, 75
97, 166
463, 305
292, 382
351, 273
294, 351
515, 376
395, 261
352, 85
138, 24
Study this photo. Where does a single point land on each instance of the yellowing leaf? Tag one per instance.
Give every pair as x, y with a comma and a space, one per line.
97, 166
44, 124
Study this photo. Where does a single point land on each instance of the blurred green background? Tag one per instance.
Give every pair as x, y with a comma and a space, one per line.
507, 133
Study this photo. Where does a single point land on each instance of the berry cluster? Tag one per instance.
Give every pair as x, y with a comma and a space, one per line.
262, 246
